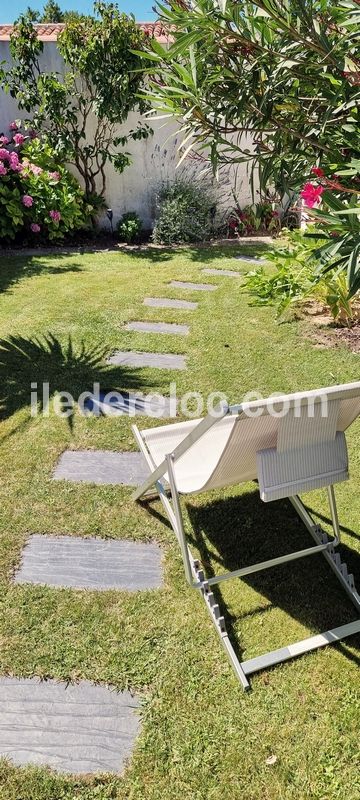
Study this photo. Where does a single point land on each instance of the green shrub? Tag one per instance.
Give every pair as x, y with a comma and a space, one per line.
296, 277
129, 227
185, 212
40, 200
292, 278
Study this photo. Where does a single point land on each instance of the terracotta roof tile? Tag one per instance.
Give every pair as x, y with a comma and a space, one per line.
49, 32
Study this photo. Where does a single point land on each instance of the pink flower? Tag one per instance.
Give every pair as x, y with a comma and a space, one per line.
4, 154
35, 170
55, 176
13, 126
35, 227
4, 140
19, 139
311, 194
318, 172
3, 170
55, 216
27, 200
14, 162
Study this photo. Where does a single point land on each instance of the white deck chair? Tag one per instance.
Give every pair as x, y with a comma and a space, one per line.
290, 444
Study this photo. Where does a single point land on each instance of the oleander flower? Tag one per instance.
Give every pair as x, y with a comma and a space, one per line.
55, 216
3, 170
13, 126
311, 194
318, 172
4, 140
55, 176
35, 228
27, 200
19, 139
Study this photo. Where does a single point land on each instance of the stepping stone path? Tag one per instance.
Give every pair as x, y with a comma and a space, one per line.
112, 403
251, 259
102, 467
158, 327
78, 563
229, 273
196, 287
87, 728
130, 358
166, 302
76, 729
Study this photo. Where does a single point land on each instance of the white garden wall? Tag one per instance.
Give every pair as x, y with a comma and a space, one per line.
153, 160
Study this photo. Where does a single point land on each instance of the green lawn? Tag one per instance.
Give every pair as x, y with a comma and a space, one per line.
201, 736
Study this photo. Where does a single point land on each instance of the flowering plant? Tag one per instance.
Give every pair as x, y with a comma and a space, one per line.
252, 219
337, 222
39, 199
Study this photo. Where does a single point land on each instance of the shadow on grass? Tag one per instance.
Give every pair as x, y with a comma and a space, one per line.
15, 269
37, 361
202, 253
241, 531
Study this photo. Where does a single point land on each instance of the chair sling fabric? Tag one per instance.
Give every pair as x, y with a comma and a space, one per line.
289, 444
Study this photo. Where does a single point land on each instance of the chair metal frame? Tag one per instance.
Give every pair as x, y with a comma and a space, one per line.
195, 574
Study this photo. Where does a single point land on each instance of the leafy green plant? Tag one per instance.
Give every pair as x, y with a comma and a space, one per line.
99, 88
292, 277
39, 199
296, 277
185, 212
129, 227
255, 218
334, 291
338, 225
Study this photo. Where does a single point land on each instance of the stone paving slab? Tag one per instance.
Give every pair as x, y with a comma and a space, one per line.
97, 564
167, 302
158, 327
197, 287
229, 273
128, 358
102, 467
113, 403
251, 260
75, 729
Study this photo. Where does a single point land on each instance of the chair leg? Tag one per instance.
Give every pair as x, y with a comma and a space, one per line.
332, 557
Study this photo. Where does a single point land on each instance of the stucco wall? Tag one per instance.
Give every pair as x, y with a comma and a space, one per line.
153, 160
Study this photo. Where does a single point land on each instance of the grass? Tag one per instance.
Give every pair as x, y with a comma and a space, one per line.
201, 736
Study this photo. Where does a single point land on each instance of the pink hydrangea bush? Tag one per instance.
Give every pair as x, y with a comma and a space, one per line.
39, 198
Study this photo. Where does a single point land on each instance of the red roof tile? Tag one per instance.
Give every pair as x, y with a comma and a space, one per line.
48, 32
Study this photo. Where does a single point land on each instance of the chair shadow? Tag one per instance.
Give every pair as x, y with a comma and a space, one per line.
37, 361
16, 268
240, 531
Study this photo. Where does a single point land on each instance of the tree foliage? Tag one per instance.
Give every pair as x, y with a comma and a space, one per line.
286, 70
287, 74
51, 12
99, 88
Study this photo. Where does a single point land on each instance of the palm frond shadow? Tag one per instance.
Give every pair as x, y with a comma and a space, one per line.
27, 364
